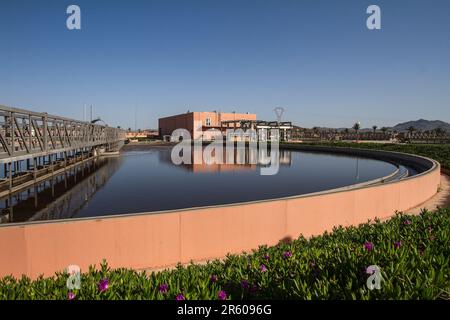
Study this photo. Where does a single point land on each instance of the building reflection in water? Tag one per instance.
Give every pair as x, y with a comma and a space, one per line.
61, 197
241, 159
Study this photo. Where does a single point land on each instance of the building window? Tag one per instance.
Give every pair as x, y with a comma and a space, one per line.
208, 121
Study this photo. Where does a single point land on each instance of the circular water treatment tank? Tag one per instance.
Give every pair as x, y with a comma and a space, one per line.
148, 181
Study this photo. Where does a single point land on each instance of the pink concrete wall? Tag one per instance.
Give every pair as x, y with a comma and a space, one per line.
217, 117
160, 240
193, 121
169, 124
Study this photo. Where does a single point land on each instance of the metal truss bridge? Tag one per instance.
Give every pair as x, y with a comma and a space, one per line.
35, 146
26, 134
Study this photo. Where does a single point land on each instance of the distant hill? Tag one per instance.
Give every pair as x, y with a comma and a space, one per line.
423, 125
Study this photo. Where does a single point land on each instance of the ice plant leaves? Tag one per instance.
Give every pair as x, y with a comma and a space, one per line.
334, 265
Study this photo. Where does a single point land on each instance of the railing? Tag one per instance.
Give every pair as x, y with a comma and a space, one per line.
25, 134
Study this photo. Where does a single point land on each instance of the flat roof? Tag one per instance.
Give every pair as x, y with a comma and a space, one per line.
218, 112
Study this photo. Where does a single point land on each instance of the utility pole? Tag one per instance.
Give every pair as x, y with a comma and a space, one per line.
135, 118
91, 113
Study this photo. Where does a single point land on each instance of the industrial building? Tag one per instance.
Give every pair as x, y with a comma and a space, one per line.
197, 123
261, 128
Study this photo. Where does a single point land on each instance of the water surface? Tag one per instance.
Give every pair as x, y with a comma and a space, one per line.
144, 181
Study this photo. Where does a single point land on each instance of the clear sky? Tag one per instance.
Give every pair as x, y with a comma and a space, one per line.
317, 59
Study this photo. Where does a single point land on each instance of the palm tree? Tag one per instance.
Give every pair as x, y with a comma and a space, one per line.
316, 130
439, 131
356, 127
374, 128
384, 130
411, 129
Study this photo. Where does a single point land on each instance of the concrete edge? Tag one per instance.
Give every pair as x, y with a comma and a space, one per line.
368, 153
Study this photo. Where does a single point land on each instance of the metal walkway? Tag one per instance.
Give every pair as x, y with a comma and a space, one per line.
26, 134
36, 146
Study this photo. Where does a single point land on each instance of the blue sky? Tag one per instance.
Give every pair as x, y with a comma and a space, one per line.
315, 58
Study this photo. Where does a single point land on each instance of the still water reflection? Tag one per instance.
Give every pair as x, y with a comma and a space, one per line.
146, 180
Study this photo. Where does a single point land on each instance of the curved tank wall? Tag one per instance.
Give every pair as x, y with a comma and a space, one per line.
149, 240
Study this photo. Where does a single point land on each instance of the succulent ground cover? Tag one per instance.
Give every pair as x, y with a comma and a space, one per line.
410, 256
411, 253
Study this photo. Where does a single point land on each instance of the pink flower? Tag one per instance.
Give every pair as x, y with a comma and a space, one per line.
180, 297
163, 288
254, 288
407, 222
266, 256
213, 278
287, 254
368, 246
222, 295
70, 295
103, 285
263, 268
397, 244
372, 269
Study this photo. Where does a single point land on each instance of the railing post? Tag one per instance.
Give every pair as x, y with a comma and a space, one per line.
11, 207
30, 136
45, 132
10, 177
34, 169
11, 124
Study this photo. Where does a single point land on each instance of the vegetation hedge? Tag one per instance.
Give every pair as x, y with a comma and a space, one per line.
412, 253
439, 152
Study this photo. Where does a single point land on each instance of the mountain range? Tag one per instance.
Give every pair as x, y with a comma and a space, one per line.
423, 125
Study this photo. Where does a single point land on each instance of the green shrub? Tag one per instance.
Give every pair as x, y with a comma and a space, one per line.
439, 152
412, 252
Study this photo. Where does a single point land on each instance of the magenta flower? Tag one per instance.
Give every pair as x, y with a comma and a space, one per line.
254, 288
163, 288
245, 284
397, 244
213, 278
103, 285
263, 268
222, 295
70, 295
368, 246
180, 297
266, 256
372, 269
407, 222
287, 254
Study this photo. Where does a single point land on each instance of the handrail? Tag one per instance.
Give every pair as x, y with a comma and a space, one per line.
25, 133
